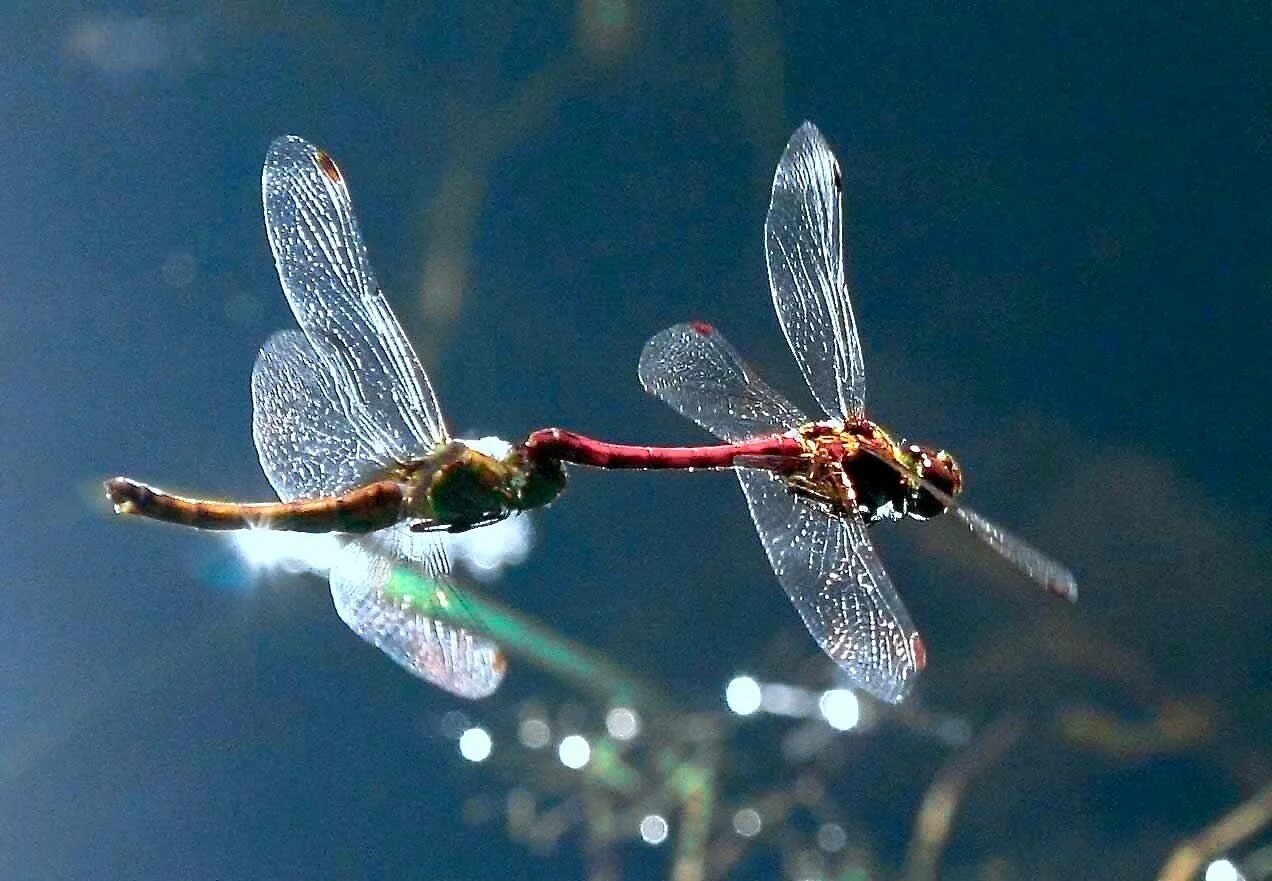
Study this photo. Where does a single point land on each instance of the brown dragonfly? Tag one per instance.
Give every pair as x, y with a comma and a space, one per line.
823, 481
350, 435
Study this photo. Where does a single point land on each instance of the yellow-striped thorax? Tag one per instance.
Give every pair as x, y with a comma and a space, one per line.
847, 465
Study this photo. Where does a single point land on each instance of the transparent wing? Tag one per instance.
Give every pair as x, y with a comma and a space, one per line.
1057, 579
322, 264
462, 662
307, 436
694, 370
837, 583
803, 239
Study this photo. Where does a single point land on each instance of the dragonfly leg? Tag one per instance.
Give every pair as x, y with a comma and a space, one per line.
465, 525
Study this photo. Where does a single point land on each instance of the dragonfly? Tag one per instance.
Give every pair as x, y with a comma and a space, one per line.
351, 437
813, 486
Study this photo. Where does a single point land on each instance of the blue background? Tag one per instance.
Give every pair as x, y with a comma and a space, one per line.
1057, 230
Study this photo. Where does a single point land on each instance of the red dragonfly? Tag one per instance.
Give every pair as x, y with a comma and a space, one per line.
813, 485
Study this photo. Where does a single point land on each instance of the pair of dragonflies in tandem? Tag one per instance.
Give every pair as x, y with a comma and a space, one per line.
350, 435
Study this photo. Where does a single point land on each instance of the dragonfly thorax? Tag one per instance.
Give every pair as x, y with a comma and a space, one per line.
857, 467
460, 486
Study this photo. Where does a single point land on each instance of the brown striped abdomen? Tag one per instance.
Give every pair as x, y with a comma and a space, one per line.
365, 509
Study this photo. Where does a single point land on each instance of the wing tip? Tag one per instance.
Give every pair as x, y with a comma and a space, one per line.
1064, 586
807, 128
287, 144
647, 365
289, 150
806, 133
647, 362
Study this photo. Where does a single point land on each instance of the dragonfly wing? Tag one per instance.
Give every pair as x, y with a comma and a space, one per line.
308, 442
803, 238
1057, 580
692, 368
464, 663
323, 266
835, 579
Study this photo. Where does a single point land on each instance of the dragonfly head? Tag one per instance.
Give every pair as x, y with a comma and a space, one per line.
538, 480
938, 468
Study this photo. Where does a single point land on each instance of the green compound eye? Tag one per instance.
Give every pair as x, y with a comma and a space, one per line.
544, 481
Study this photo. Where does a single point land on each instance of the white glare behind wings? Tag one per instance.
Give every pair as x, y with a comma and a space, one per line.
803, 240
323, 266
838, 585
464, 663
693, 369
308, 443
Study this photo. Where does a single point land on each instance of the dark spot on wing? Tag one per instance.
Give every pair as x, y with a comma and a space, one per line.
328, 167
837, 177
920, 651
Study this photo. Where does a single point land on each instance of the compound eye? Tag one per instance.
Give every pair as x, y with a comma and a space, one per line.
941, 471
